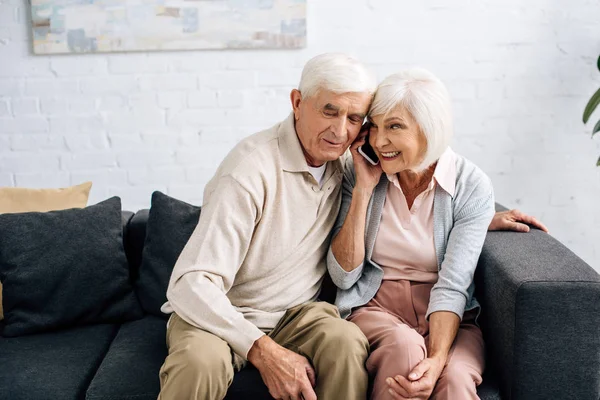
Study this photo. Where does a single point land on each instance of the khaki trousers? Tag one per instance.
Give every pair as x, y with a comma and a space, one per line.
200, 365
394, 322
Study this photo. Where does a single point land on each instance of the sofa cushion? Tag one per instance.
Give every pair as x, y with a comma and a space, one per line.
489, 388
13, 200
248, 384
52, 365
130, 368
17, 200
170, 225
65, 268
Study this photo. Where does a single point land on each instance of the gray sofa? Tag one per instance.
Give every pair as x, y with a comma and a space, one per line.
540, 319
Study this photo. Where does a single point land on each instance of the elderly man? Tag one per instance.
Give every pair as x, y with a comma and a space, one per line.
246, 284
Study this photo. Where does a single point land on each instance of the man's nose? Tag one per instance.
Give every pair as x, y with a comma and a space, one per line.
338, 127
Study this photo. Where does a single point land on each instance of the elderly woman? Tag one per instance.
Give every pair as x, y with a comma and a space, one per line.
407, 242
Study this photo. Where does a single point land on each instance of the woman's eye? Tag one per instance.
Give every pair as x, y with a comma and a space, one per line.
397, 126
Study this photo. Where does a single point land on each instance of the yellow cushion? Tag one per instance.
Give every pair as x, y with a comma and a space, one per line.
17, 200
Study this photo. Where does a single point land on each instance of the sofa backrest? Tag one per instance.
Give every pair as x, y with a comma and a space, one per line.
134, 234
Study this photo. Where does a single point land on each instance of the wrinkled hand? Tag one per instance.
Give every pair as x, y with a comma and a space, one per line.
420, 383
287, 375
514, 220
367, 175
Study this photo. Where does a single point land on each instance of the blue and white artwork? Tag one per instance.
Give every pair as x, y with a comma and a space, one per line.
89, 26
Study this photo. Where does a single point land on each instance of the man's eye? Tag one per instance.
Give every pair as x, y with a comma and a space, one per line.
329, 113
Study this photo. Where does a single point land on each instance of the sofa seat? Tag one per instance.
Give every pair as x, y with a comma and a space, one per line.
53, 365
130, 368
247, 384
489, 388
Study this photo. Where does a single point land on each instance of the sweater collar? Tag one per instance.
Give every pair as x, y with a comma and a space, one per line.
290, 149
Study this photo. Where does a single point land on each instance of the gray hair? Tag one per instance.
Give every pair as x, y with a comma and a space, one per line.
335, 72
426, 98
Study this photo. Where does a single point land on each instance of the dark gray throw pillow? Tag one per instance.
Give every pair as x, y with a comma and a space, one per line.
171, 222
65, 268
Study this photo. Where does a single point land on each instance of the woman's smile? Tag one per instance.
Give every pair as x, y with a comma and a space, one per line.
388, 156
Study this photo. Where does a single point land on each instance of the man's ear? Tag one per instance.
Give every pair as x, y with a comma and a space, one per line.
296, 99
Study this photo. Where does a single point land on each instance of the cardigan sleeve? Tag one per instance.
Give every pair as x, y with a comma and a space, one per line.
340, 277
465, 242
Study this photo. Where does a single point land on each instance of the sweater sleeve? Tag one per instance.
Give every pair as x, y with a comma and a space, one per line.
464, 246
207, 266
340, 277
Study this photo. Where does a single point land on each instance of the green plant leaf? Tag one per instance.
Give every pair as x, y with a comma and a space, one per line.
598, 63
591, 106
596, 128
598, 162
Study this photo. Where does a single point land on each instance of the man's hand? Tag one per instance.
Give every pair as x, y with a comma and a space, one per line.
367, 175
287, 375
514, 220
420, 383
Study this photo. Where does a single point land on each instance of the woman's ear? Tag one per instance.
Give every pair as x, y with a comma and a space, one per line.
296, 99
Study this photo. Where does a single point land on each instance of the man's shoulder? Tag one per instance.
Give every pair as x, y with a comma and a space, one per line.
252, 154
249, 164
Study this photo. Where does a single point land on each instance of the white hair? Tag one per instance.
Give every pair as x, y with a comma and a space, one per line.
426, 98
335, 72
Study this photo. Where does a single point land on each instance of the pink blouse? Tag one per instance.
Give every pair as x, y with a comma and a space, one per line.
404, 245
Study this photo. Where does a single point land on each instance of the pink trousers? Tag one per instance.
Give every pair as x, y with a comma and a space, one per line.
395, 325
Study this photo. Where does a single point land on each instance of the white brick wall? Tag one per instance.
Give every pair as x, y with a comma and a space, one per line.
520, 74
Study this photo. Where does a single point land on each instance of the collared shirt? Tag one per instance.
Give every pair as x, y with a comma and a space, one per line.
404, 246
260, 246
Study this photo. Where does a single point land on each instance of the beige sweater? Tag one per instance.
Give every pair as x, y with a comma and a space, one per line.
261, 243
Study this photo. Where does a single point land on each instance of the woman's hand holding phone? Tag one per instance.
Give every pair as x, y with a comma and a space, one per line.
367, 174
367, 151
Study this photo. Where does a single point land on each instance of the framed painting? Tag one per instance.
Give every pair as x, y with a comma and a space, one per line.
94, 26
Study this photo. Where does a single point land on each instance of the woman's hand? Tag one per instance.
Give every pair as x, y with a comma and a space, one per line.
367, 175
514, 220
420, 382
443, 326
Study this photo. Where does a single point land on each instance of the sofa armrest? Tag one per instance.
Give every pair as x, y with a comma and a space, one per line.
540, 317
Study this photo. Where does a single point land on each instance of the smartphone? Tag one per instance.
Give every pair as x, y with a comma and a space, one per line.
367, 152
